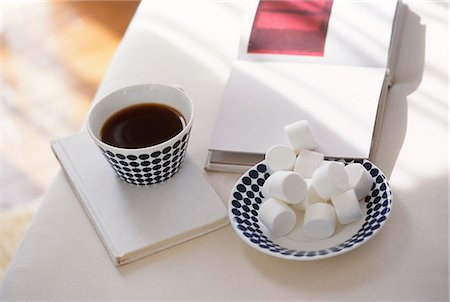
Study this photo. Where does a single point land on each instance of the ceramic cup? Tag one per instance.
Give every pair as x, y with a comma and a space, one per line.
149, 165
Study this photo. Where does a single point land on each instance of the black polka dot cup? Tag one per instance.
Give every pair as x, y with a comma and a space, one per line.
149, 165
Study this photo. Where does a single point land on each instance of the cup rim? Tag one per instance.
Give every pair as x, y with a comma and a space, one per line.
143, 149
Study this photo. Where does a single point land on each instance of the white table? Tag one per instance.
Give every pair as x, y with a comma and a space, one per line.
61, 256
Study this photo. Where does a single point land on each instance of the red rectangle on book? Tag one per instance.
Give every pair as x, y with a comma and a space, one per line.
294, 27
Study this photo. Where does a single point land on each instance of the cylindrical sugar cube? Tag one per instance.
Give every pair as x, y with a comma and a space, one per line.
330, 180
319, 221
300, 136
347, 207
312, 197
287, 186
307, 162
277, 217
280, 157
359, 179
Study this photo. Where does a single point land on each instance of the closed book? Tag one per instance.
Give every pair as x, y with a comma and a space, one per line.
136, 221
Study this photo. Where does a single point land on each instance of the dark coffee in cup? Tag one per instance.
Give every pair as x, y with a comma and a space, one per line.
142, 125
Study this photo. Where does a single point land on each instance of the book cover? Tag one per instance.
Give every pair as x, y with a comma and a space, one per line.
136, 221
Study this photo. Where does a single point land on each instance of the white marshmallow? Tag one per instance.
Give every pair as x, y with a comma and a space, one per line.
302, 206
347, 207
280, 157
359, 179
277, 217
287, 186
307, 162
300, 136
264, 190
330, 180
319, 221
327, 162
312, 197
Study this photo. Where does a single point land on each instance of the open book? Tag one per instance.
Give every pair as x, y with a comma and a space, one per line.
136, 221
326, 61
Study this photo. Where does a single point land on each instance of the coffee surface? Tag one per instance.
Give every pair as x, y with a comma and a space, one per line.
142, 125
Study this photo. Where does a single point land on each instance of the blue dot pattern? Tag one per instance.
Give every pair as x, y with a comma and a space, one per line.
247, 197
147, 169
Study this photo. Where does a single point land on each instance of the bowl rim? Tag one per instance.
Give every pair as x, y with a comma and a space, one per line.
316, 256
148, 149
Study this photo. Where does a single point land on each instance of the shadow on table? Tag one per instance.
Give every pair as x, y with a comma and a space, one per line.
407, 77
384, 258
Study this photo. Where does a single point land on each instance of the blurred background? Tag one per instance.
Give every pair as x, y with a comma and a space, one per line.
53, 57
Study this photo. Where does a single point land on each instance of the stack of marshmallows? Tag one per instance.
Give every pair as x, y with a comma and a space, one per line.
324, 190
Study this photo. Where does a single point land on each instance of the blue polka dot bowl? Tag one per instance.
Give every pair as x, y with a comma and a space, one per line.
246, 198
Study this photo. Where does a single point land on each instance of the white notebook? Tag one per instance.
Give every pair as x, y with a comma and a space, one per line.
133, 221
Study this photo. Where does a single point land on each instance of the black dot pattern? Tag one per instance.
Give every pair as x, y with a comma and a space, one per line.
147, 169
245, 201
